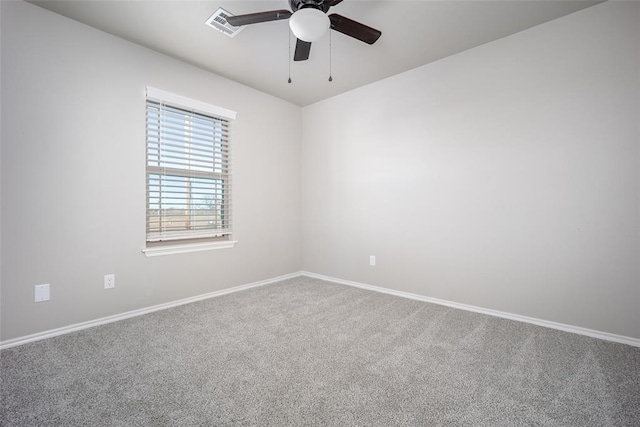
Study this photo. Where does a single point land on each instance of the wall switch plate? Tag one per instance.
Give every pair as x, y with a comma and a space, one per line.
109, 281
41, 293
372, 260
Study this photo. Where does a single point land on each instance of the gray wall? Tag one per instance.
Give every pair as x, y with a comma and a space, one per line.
505, 177
73, 176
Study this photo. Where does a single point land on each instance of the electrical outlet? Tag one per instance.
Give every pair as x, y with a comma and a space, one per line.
41, 293
372, 260
109, 281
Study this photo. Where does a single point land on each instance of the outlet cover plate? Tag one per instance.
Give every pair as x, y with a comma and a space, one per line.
109, 281
42, 293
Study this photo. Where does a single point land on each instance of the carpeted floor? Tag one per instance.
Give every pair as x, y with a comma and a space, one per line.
307, 352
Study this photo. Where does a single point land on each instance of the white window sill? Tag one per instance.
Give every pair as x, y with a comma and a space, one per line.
188, 247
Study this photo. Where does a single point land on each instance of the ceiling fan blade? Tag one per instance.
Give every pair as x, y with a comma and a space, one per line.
354, 29
302, 50
254, 18
332, 3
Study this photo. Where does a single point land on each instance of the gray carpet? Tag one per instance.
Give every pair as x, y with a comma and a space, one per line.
307, 352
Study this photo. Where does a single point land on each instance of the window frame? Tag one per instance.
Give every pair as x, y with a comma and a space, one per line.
163, 242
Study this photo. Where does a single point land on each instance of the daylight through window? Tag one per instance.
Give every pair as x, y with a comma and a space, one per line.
188, 170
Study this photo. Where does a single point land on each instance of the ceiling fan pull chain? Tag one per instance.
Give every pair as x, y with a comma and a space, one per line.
289, 54
330, 78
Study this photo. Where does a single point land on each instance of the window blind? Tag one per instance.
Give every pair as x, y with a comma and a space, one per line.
188, 172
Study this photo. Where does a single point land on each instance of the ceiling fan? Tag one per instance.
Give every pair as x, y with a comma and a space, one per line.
309, 22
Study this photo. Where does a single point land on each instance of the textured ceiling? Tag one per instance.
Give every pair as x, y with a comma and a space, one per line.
414, 33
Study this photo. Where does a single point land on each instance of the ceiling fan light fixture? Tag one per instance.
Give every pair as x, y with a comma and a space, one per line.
309, 24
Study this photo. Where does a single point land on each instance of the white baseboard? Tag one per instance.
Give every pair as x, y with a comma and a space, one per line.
548, 324
109, 319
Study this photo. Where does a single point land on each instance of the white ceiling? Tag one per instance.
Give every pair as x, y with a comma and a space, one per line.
413, 33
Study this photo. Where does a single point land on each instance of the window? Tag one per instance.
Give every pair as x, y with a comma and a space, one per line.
188, 170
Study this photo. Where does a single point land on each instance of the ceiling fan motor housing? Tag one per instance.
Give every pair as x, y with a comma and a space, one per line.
302, 4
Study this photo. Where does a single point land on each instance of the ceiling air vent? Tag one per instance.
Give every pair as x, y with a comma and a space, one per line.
219, 21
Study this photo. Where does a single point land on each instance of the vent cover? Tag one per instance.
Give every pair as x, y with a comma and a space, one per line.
219, 21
